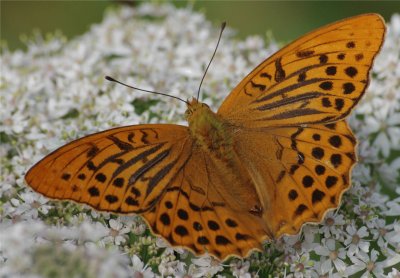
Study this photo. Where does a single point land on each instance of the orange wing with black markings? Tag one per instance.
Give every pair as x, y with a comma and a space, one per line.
123, 170
318, 78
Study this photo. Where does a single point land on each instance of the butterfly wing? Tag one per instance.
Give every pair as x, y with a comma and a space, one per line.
193, 214
318, 78
288, 119
122, 170
154, 170
301, 174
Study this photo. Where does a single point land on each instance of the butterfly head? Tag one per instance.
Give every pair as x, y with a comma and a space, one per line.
201, 119
196, 108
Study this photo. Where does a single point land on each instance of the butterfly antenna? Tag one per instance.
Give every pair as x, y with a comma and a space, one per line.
215, 51
143, 90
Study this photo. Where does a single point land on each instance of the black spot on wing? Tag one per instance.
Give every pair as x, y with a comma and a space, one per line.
118, 182
165, 219
222, 240
317, 196
350, 44
181, 231
307, 181
182, 214
280, 74
66, 176
335, 141
323, 59
351, 71
348, 88
293, 195
331, 70
300, 209
304, 53
92, 151
331, 181
111, 199
320, 170
93, 191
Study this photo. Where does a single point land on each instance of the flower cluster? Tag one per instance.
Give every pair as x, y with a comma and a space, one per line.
55, 92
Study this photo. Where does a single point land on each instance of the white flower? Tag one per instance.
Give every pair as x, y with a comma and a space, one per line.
394, 205
333, 225
394, 273
364, 262
301, 265
302, 242
171, 268
379, 230
390, 172
116, 232
162, 243
139, 269
371, 264
139, 229
330, 255
393, 236
30, 206
204, 266
240, 269
355, 240
386, 125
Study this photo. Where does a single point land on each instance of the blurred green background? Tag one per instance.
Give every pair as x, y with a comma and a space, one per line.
286, 19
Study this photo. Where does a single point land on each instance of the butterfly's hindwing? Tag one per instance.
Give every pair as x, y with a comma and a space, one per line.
305, 171
193, 214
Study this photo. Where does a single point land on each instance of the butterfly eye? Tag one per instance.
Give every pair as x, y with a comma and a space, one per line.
206, 105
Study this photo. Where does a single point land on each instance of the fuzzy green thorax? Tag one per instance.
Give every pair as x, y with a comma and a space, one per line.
208, 129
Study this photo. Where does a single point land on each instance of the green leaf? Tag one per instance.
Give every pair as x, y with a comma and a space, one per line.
72, 113
142, 105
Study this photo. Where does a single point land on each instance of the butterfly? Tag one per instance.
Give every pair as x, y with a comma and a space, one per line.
277, 154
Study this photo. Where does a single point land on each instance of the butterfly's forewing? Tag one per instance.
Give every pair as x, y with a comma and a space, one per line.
316, 79
193, 214
121, 170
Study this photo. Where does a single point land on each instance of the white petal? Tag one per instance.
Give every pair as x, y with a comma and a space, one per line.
321, 250
326, 266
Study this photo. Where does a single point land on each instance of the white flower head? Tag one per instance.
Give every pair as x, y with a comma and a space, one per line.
139, 269
117, 232
331, 256
355, 240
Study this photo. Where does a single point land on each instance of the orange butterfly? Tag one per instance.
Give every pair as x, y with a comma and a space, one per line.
276, 155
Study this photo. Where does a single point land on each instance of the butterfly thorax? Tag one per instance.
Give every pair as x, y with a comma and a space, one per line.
209, 130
